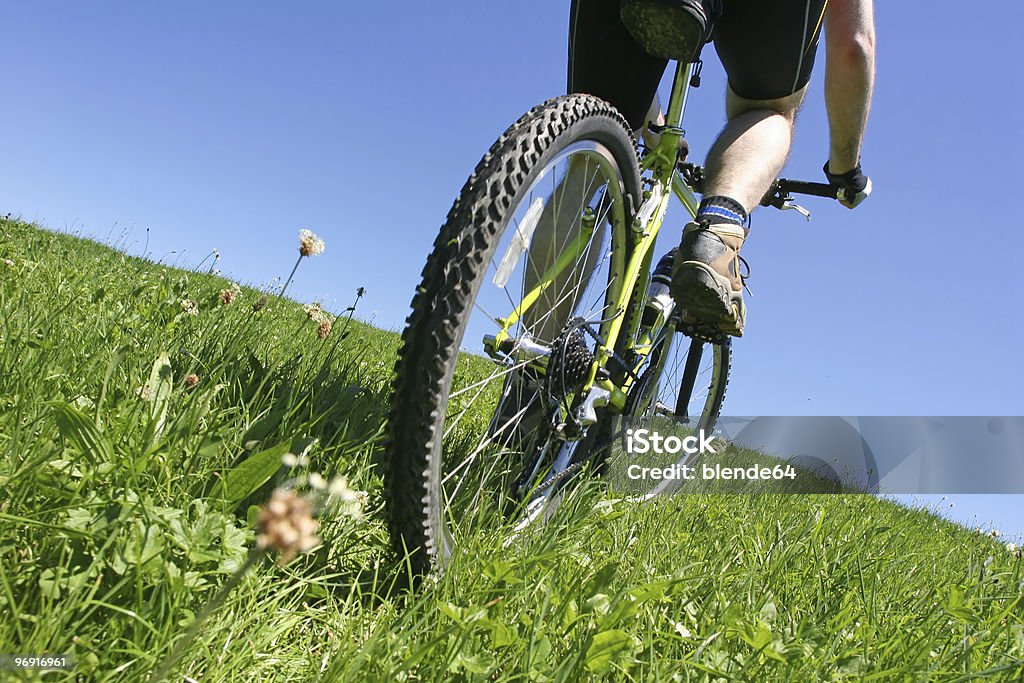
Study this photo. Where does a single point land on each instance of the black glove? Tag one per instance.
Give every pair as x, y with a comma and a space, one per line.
854, 186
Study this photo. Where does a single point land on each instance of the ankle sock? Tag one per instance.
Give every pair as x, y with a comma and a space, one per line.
721, 209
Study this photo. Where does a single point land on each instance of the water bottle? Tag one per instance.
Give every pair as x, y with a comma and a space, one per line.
659, 298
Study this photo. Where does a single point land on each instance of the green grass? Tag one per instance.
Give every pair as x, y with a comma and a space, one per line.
115, 533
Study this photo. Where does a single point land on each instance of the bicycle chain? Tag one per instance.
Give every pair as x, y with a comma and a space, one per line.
562, 476
623, 363
574, 361
704, 333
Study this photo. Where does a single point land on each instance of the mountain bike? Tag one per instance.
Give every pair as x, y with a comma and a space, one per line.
539, 333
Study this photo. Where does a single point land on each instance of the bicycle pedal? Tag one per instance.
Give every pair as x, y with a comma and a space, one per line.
704, 332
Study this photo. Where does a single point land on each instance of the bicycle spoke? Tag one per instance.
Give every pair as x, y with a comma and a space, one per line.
474, 435
576, 188
482, 387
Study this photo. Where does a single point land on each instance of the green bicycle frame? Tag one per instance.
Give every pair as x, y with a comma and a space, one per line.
661, 162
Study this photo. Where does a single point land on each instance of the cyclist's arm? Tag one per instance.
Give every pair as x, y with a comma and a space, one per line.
849, 78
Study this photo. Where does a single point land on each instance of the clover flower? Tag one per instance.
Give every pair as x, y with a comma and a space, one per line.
228, 296
310, 244
314, 312
286, 525
189, 307
351, 502
191, 380
323, 329
291, 460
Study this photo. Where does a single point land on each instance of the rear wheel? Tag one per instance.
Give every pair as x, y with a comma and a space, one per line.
481, 393
679, 392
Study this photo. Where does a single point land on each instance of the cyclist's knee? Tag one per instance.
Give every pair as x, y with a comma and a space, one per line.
786, 106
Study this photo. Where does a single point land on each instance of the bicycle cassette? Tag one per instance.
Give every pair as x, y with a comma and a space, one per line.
570, 361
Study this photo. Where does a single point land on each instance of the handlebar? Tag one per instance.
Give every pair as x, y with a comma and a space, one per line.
785, 186
780, 192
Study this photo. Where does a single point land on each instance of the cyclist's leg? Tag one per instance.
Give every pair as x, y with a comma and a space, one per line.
752, 148
605, 60
767, 50
741, 165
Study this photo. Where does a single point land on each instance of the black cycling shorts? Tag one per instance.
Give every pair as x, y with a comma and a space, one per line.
766, 46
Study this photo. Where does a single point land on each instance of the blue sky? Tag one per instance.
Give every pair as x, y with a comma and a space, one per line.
232, 126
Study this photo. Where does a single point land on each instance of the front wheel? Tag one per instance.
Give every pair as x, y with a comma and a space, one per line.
524, 268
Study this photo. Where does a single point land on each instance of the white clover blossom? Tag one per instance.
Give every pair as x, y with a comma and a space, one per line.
339, 488
310, 244
316, 313
286, 524
230, 294
351, 502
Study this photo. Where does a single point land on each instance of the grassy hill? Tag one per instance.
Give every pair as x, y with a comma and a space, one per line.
143, 415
